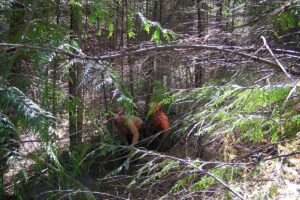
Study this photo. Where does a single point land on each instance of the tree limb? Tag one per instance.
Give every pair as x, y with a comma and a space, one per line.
277, 61
191, 164
139, 51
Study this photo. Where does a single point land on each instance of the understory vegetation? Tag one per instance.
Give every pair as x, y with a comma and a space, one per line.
225, 74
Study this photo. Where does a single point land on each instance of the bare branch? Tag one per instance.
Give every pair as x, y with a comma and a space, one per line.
189, 163
283, 155
140, 51
277, 61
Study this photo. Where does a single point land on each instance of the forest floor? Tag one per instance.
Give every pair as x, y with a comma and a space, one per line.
270, 170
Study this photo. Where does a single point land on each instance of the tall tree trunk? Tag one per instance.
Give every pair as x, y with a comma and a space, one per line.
161, 4
202, 10
150, 63
19, 67
102, 75
148, 82
104, 94
147, 8
72, 107
54, 83
155, 10
130, 61
126, 8
80, 107
131, 72
219, 15
122, 37
116, 25
75, 92
233, 15
199, 75
55, 63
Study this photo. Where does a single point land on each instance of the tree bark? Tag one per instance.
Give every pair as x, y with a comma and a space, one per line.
199, 75
116, 25
202, 10
219, 16
55, 64
202, 19
75, 91
19, 66
131, 72
54, 83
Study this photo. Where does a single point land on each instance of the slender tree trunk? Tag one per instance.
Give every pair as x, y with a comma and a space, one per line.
147, 8
186, 77
55, 64
126, 8
160, 10
199, 75
46, 95
104, 94
102, 75
155, 9
54, 83
148, 82
150, 64
75, 91
19, 66
233, 16
116, 25
80, 96
122, 36
131, 72
130, 61
202, 10
72, 107
219, 15
98, 36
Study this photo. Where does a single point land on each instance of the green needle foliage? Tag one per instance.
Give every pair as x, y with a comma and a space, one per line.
8, 140
19, 113
24, 112
254, 112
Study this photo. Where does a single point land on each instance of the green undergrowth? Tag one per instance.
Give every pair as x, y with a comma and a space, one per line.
251, 114
69, 174
255, 112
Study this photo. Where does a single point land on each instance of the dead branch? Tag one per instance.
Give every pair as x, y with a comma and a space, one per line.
283, 156
189, 163
141, 51
277, 61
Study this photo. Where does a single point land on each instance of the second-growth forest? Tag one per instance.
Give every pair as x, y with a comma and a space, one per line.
149, 99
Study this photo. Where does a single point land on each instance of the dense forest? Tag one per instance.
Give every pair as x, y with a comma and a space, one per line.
149, 99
